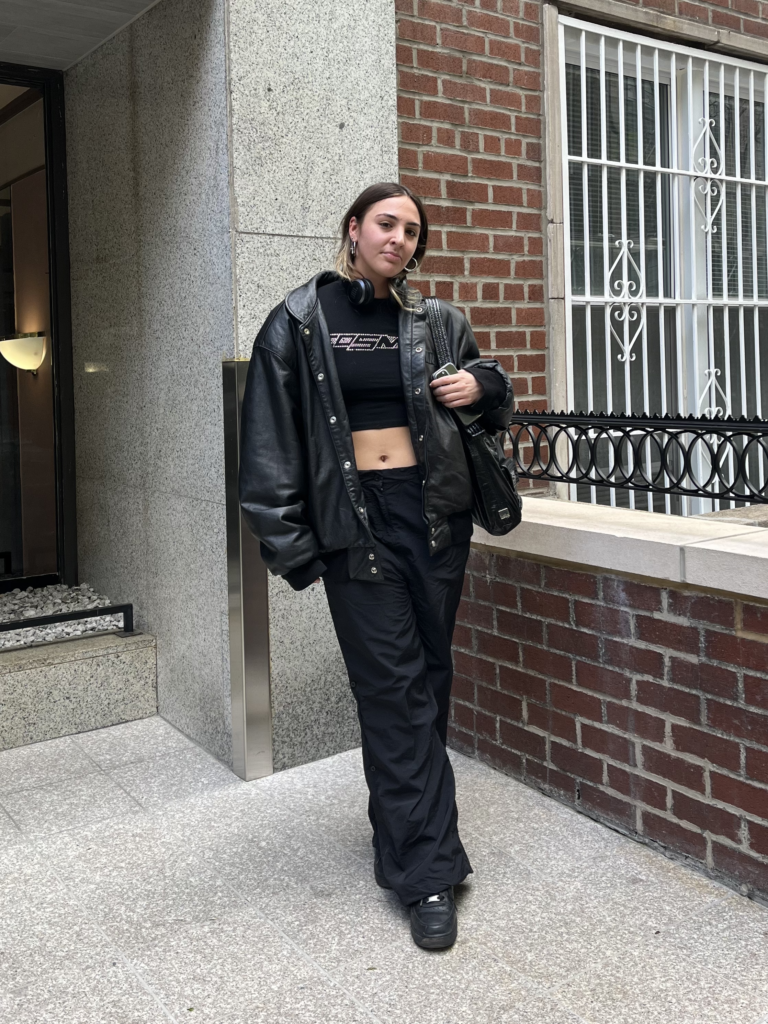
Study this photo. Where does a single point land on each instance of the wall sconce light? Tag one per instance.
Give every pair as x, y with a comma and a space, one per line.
24, 351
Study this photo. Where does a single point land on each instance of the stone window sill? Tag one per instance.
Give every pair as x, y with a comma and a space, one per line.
697, 552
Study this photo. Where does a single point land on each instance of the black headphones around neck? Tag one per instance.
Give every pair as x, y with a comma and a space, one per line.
360, 292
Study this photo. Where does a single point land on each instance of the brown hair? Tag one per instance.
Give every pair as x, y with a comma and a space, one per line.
344, 263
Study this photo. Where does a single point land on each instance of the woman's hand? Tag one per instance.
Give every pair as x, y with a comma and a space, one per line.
461, 388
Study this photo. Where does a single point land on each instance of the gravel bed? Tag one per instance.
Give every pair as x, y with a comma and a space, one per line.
33, 602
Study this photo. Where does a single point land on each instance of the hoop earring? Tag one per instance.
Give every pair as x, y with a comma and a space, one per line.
352, 249
411, 269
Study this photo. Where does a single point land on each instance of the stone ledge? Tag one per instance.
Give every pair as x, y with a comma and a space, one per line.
701, 553
70, 649
76, 685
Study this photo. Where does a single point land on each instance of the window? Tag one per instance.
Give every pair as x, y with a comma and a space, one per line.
665, 158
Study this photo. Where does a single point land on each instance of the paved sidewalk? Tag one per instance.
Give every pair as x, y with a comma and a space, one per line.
141, 882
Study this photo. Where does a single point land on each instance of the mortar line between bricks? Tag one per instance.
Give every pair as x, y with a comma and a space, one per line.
673, 786
578, 659
629, 703
650, 776
728, 883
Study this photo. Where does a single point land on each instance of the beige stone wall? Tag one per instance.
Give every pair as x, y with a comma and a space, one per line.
213, 148
313, 122
152, 316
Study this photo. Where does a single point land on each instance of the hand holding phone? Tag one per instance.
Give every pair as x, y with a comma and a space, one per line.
448, 370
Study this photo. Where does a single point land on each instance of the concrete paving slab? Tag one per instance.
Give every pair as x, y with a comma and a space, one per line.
10, 833
132, 879
101, 989
710, 970
55, 963
40, 763
229, 902
341, 921
237, 967
177, 776
70, 804
463, 985
131, 741
18, 866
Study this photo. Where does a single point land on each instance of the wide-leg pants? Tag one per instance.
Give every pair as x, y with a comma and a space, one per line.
395, 636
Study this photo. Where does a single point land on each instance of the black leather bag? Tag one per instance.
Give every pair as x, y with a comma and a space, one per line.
497, 507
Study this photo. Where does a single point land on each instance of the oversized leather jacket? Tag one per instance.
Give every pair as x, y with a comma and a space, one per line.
299, 488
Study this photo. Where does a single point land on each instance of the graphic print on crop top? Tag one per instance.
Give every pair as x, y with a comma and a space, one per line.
366, 351
364, 342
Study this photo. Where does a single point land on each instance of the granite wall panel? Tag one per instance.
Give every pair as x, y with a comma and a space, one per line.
152, 318
267, 269
314, 116
314, 121
184, 157
313, 711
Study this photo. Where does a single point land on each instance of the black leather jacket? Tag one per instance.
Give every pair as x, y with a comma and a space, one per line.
299, 488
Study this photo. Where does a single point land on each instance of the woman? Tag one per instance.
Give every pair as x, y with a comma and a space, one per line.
353, 470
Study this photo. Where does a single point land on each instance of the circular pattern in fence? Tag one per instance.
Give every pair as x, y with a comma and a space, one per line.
716, 459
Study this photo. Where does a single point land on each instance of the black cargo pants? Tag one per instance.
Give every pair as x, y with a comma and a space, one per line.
395, 636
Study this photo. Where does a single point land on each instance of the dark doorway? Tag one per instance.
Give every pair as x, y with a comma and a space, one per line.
37, 473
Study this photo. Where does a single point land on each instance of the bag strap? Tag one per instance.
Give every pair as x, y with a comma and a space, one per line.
438, 332
444, 356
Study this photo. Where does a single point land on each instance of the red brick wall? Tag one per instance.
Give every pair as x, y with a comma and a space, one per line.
643, 706
470, 100
470, 103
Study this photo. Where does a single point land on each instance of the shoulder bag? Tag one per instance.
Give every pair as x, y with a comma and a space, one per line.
496, 506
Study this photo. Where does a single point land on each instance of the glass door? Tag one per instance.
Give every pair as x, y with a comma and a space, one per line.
36, 480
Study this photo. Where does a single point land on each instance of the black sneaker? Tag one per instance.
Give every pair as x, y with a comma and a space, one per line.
378, 873
434, 923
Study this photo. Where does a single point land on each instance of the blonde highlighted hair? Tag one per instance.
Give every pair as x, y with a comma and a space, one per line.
344, 264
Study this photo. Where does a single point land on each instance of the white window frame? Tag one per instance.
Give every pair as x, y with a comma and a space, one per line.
561, 301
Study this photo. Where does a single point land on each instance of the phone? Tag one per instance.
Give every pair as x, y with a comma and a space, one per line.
446, 370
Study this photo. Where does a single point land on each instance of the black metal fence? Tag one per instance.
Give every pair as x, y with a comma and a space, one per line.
719, 459
126, 610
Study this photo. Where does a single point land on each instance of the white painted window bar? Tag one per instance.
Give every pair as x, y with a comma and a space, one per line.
666, 221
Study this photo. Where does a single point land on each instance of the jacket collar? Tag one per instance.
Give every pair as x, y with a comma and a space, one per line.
301, 301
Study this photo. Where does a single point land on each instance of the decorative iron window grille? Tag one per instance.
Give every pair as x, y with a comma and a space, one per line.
670, 459
665, 175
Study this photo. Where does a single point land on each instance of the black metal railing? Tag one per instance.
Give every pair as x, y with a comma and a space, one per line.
126, 610
719, 459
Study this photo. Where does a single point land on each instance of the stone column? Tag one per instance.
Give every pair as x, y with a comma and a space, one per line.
152, 316
313, 122
213, 147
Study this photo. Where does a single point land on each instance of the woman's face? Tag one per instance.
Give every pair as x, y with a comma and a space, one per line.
386, 237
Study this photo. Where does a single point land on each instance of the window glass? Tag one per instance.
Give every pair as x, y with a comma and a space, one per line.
28, 539
666, 212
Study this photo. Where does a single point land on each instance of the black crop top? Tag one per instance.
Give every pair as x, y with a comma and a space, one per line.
366, 350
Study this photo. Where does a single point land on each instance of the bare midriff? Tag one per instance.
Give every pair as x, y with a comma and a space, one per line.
388, 448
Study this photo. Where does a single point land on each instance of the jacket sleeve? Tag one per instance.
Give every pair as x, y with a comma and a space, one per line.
494, 387
498, 400
272, 466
